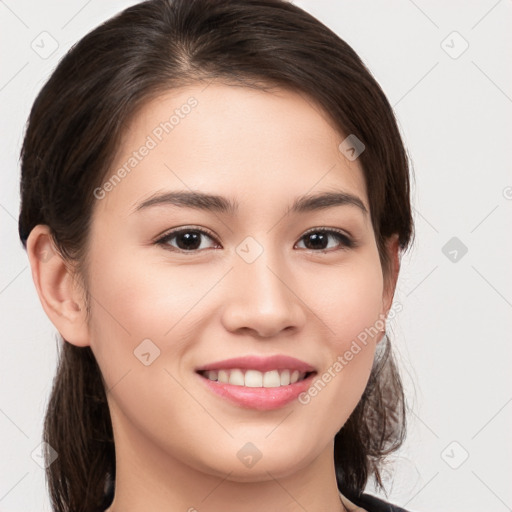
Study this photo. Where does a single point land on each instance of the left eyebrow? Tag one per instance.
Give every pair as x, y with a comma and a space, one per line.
220, 204
190, 199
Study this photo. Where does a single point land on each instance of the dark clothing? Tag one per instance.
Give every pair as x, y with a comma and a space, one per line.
372, 504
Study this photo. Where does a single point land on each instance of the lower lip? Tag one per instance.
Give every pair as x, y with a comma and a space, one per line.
261, 399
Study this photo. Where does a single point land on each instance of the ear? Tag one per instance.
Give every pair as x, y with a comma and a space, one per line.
391, 277
60, 295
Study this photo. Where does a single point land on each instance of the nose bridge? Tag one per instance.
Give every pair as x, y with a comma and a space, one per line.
262, 297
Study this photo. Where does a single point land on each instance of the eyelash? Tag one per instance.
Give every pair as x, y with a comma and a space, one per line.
346, 242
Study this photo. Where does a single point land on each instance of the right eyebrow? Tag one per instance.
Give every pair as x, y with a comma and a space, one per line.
323, 200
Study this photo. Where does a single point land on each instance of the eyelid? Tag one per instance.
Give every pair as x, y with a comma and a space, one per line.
186, 227
347, 241
327, 229
164, 237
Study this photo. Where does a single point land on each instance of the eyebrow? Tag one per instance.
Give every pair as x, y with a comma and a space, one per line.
220, 204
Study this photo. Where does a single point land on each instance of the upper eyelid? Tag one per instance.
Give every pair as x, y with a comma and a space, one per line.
180, 229
328, 230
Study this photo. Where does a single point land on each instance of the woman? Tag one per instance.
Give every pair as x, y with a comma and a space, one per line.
215, 199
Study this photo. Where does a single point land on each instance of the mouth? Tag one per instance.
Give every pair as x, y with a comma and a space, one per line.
254, 382
254, 378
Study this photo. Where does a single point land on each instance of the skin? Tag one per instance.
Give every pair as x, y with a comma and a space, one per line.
262, 149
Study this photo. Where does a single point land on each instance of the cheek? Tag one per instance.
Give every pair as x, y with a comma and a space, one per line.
346, 299
147, 299
143, 310
349, 303
135, 301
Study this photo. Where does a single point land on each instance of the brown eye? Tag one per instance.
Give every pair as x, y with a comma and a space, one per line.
185, 240
320, 240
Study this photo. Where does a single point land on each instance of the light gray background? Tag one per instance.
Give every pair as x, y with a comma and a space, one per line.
453, 336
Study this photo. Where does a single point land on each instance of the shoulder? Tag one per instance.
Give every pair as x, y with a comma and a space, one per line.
369, 503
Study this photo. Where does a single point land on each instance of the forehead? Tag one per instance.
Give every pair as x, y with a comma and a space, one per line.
241, 141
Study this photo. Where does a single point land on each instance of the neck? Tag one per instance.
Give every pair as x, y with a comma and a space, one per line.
148, 478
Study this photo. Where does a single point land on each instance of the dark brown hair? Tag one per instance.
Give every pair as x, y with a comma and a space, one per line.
72, 136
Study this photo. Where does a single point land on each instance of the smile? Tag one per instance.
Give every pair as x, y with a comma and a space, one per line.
255, 378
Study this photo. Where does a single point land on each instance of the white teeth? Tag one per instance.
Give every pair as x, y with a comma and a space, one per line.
236, 378
223, 376
271, 379
255, 378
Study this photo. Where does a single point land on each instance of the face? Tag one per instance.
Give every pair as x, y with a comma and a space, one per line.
179, 284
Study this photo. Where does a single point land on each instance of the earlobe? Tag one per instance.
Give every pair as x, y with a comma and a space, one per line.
61, 297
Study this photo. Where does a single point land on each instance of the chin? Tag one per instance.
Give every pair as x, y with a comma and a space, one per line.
276, 463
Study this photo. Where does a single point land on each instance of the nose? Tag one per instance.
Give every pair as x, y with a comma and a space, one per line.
263, 299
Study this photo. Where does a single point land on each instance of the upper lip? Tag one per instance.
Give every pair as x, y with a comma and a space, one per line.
263, 364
